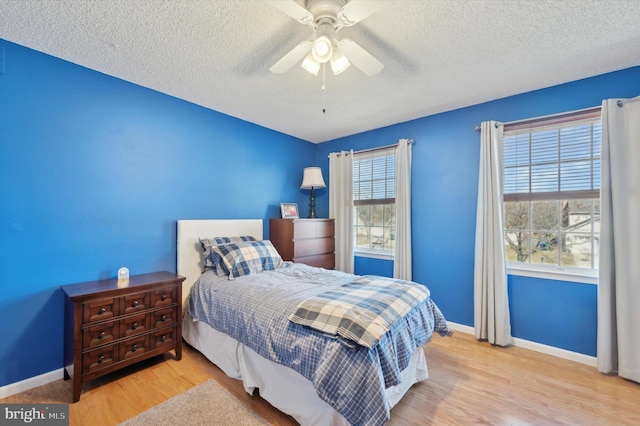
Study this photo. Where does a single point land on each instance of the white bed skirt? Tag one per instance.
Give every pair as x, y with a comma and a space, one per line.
283, 387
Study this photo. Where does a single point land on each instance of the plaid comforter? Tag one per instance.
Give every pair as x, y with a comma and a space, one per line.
362, 310
254, 310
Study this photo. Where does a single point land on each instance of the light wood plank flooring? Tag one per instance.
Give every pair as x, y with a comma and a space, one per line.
470, 383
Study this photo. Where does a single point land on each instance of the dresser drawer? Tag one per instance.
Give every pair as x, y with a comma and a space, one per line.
326, 261
136, 302
100, 334
98, 359
134, 347
136, 324
163, 297
164, 337
99, 310
164, 317
309, 228
303, 248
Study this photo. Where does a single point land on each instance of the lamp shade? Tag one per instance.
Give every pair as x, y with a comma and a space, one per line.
312, 178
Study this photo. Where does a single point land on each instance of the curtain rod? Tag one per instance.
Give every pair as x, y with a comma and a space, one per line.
379, 148
547, 117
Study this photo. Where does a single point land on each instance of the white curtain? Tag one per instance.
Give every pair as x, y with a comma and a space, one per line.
619, 269
402, 258
341, 206
491, 303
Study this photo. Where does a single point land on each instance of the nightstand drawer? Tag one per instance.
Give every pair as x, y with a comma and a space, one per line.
136, 324
100, 310
98, 359
131, 348
164, 317
163, 297
136, 302
100, 334
164, 337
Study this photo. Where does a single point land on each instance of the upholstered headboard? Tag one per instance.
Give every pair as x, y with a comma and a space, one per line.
189, 251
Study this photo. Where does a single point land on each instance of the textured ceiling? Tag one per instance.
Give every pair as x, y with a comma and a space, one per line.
439, 55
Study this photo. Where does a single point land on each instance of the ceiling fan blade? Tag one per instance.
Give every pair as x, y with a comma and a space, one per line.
359, 57
293, 9
357, 10
290, 59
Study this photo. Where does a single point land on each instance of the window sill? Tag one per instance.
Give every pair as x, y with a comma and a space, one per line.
551, 273
373, 254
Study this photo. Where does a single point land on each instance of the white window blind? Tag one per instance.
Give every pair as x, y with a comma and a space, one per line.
552, 161
374, 177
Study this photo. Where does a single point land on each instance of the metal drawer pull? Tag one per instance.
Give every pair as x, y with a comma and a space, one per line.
135, 303
163, 338
101, 359
101, 335
134, 326
164, 297
164, 318
134, 348
102, 311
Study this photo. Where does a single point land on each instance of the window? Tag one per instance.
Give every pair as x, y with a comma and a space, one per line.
551, 185
374, 195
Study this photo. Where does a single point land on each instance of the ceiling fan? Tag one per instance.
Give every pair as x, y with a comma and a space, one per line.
326, 17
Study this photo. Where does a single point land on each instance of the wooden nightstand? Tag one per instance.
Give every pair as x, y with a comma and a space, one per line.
310, 241
110, 324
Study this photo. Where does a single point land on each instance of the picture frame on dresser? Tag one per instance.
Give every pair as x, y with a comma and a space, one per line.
289, 210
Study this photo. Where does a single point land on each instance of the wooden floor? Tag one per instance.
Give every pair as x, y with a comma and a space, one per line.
470, 383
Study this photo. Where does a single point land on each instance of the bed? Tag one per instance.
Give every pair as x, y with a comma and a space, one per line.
316, 377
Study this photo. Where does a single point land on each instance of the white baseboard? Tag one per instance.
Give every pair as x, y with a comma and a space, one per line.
538, 347
31, 382
43, 379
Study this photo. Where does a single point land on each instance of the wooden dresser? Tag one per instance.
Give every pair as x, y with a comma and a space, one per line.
310, 241
110, 324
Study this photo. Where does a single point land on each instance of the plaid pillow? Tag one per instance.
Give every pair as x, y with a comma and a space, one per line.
247, 258
213, 262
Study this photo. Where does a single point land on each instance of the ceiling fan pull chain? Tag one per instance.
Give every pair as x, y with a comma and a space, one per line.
324, 93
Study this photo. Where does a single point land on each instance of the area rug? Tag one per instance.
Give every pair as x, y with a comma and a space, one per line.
205, 404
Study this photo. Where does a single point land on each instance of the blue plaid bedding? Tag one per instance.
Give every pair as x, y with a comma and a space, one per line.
254, 309
362, 310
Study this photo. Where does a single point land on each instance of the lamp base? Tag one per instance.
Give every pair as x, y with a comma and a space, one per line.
312, 204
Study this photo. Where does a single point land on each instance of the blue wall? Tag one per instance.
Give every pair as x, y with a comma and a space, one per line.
444, 195
94, 172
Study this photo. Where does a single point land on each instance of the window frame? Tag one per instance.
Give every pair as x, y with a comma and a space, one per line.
375, 253
554, 272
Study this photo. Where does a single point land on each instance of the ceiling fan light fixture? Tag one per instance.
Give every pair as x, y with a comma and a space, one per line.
322, 49
339, 62
310, 65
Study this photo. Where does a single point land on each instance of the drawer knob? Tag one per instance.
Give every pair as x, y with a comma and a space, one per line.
164, 297
101, 335
102, 311
101, 359
134, 348
134, 326
163, 338
164, 318
135, 303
